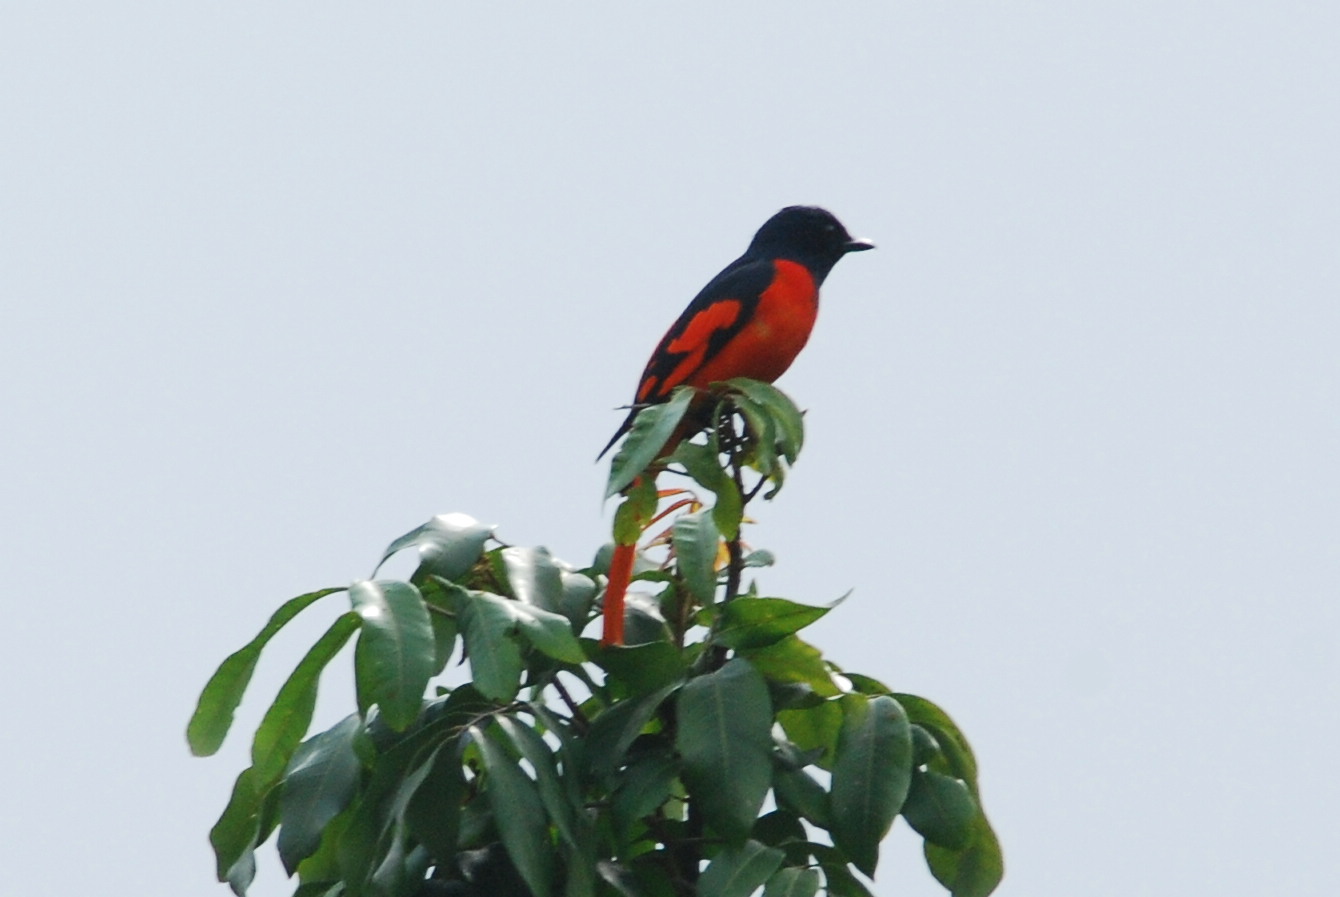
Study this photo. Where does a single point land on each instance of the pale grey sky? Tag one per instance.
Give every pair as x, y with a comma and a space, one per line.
282, 281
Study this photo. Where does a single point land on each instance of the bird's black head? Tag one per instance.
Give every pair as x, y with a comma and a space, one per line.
806, 234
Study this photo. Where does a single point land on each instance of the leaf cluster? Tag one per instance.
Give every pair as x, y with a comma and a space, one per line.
717, 754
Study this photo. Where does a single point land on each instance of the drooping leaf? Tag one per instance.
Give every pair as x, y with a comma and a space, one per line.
635, 512
758, 622
762, 434
871, 775
957, 757
433, 813
799, 792
319, 783
725, 739
236, 833
538, 754
549, 632
940, 809
490, 641
396, 652
652, 429
793, 882
449, 544
534, 577
973, 871
519, 813
737, 871
579, 592
218, 702
839, 880
696, 543
285, 723
643, 787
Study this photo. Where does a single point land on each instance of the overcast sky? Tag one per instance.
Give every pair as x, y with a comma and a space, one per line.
280, 282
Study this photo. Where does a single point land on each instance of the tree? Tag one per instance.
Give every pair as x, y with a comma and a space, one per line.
566, 769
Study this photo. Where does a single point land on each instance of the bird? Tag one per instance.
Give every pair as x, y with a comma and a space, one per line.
751, 320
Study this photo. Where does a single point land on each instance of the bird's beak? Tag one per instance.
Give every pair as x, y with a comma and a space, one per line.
858, 246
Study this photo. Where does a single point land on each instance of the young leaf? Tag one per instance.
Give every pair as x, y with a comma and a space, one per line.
814, 729
739, 871
396, 652
218, 702
642, 668
759, 622
940, 809
790, 659
319, 783
701, 463
286, 722
519, 812
725, 738
788, 422
652, 429
871, 775
696, 543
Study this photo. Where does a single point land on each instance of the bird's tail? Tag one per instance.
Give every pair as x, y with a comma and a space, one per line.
621, 572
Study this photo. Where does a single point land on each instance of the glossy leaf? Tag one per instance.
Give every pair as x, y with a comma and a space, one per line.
449, 544
788, 421
871, 775
737, 871
762, 434
579, 592
223, 693
549, 632
235, 835
940, 809
973, 871
396, 652
793, 882
758, 622
696, 543
725, 738
285, 723
652, 429
957, 756
490, 643
519, 813
534, 577
319, 783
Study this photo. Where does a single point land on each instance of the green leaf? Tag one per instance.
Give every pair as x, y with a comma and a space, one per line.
519, 813
725, 739
940, 809
814, 728
396, 652
871, 774
839, 880
797, 791
433, 814
320, 782
535, 578
285, 723
449, 544
702, 463
788, 422
218, 702
495, 656
739, 871
537, 753
762, 434
234, 837
793, 882
957, 757
643, 787
974, 871
866, 685
758, 622
652, 429
579, 592
549, 632
792, 660
642, 668
615, 729
696, 543
635, 511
